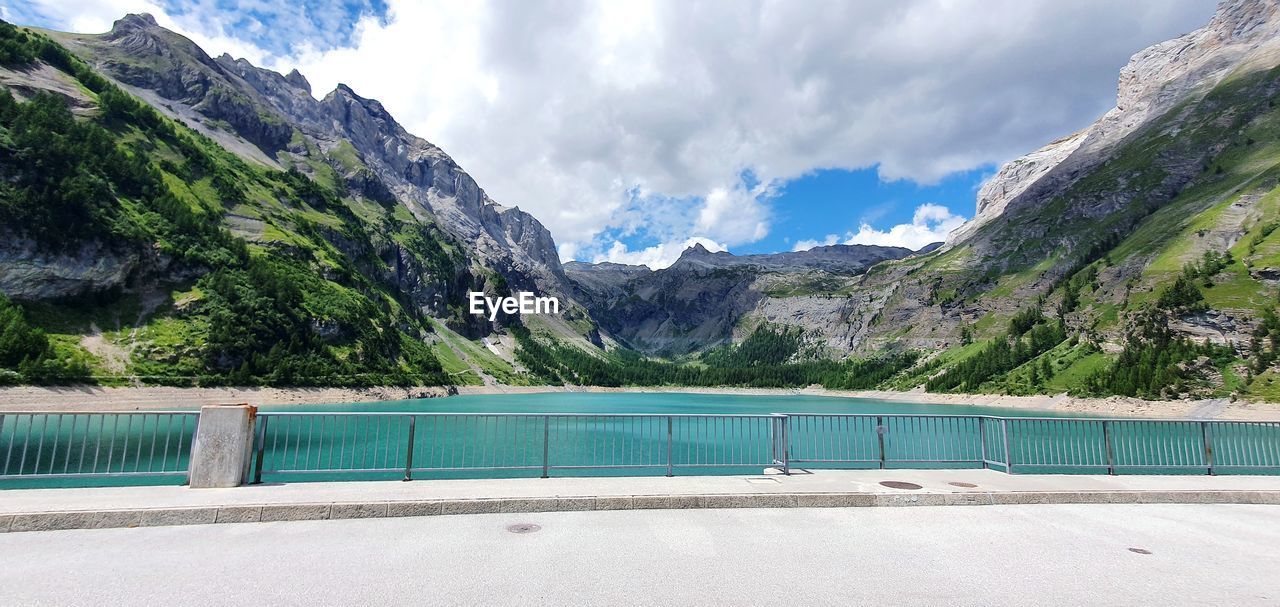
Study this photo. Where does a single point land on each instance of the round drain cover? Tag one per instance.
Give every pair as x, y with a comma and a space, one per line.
899, 485
960, 484
1139, 551
523, 528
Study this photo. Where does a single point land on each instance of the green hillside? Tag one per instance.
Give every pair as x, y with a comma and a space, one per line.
1154, 277
296, 306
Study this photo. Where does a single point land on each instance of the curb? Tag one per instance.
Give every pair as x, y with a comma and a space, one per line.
205, 515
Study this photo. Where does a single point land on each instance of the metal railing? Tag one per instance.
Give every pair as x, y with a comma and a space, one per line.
458, 442
88, 444
80, 444
1035, 444
886, 439
301, 443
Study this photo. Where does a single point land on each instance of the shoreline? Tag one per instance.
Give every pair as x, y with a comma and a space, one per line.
97, 398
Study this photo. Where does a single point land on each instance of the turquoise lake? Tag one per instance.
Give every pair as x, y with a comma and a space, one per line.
657, 402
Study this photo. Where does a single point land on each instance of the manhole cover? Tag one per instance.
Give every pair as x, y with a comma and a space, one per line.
1139, 551
960, 484
523, 528
899, 485
762, 480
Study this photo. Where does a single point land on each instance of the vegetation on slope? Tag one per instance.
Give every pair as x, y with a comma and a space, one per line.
762, 360
27, 354
297, 313
1174, 273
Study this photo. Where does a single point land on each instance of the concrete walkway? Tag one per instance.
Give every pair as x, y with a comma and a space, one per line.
48, 509
1068, 554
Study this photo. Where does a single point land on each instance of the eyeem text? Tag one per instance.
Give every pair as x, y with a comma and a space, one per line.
524, 302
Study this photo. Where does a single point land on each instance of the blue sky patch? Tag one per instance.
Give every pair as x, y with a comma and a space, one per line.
283, 27
839, 201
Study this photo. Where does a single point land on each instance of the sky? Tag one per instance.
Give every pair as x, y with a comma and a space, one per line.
634, 129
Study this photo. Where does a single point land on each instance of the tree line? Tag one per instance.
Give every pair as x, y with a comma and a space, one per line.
759, 361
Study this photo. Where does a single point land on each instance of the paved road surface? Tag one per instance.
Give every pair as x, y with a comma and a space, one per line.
989, 555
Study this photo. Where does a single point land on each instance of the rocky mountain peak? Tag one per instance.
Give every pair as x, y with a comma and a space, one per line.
296, 78
372, 106
265, 111
1242, 34
131, 23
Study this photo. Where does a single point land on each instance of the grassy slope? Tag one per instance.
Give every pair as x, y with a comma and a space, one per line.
1236, 194
162, 332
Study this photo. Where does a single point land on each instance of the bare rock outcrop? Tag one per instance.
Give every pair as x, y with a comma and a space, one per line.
1243, 34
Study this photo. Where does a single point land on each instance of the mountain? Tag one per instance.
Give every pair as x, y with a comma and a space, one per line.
230, 191
171, 217
349, 141
1137, 256
1152, 226
700, 300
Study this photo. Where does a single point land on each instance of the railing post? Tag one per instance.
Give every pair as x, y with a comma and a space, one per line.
669, 463
408, 456
785, 424
774, 433
880, 430
262, 448
1106, 438
1008, 453
1208, 446
982, 435
546, 443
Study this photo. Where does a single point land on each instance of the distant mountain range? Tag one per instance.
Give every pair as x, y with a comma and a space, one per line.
227, 226
702, 298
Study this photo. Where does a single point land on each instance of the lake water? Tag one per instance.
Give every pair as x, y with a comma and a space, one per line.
659, 403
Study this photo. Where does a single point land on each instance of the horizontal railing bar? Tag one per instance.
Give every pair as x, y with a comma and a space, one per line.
891, 460
398, 469
1139, 420
92, 474
83, 412
676, 415
528, 415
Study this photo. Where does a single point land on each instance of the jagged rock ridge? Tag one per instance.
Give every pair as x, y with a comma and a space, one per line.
267, 110
1153, 82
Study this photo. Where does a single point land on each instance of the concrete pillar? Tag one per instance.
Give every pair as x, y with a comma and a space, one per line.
223, 447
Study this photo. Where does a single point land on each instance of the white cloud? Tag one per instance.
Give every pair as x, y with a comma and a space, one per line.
658, 256
569, 109
736, 215
805, 245
930, 223
568, 251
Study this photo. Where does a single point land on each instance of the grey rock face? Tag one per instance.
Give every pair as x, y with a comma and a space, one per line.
27, 273
1154, 81
150, 57
267, 109
701, 300
418, 174
838, 259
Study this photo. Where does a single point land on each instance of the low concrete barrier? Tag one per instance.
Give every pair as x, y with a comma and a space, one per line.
241, 513
223, 449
